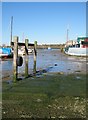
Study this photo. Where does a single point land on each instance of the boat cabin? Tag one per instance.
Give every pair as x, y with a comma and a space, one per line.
83, 41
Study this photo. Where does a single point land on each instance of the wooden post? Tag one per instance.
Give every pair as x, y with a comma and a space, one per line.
15, 73
35, 55
26, 57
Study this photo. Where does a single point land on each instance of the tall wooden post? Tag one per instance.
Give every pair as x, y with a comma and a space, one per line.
15, 73
26, 57
35, 55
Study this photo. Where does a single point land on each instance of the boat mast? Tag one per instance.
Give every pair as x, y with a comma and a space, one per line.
11, 29
67, 34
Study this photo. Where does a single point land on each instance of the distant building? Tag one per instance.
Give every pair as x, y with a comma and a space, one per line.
71, 43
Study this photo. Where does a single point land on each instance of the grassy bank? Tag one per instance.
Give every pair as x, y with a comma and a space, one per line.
47, 96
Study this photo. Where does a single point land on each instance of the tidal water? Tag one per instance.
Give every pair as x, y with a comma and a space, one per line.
51, 60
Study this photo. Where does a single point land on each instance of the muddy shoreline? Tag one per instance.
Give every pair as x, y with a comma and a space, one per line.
56, 62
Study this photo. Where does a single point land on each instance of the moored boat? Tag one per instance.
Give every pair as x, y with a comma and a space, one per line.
22, 51
49, 48
6, 53
77, 51
79, 48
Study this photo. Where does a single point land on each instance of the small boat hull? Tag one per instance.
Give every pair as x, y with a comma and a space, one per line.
6, 53
77, 51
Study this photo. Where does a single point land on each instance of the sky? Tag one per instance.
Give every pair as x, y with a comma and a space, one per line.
46, 22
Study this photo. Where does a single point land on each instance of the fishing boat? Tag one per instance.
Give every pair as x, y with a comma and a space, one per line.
77, 51
77, 48
6, 53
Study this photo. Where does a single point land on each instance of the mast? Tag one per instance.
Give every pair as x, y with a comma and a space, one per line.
11, 29
67, 34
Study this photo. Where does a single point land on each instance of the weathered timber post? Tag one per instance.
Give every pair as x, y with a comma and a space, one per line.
35, 55
15, 67
26, 57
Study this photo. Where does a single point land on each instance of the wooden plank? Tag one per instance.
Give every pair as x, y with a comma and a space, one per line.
22, 44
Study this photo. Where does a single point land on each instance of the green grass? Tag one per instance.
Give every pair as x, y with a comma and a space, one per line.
49, 96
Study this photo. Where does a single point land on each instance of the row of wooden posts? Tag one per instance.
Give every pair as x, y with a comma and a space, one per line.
15, 44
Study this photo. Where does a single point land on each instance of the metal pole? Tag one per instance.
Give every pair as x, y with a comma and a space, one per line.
11, 27
67, 34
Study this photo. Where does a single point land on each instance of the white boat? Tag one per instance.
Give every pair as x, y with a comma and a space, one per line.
22, 51
77, 51
30, 51
80, 48
49, 48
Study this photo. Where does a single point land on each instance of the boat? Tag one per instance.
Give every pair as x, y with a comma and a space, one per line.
77, 48
77, 51
6, 53
30, 51
49, 48
22, 51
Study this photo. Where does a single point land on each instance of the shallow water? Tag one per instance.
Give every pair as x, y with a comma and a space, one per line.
51, 60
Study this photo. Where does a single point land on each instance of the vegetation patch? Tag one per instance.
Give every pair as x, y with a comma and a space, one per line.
49, 96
